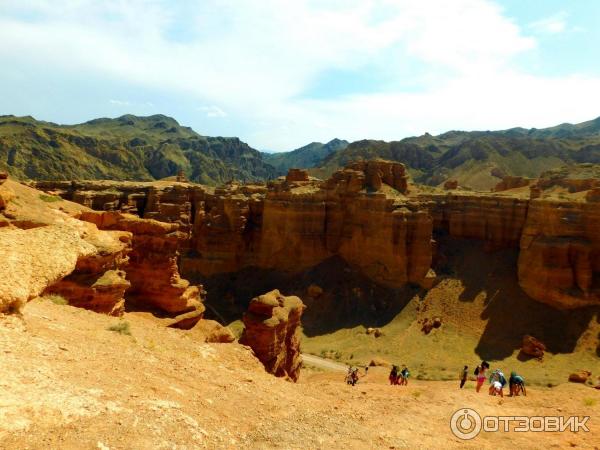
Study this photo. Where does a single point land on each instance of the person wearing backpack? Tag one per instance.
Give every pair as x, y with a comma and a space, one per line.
464, 376
404, 374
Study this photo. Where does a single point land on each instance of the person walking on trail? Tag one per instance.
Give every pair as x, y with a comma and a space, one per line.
516, 384
464, 376
349, 376
393, 377
404, 374
481, 374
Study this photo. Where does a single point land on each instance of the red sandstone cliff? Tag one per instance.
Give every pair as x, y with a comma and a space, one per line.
367, 215
272, 330
152, 268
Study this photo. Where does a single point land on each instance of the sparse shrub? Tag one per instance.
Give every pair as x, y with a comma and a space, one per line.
589, 401
416, 394
49, 198
121, 328
56, 299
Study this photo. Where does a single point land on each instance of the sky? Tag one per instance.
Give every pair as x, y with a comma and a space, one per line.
282, 73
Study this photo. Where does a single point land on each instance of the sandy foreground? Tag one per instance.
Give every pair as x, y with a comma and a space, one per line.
67, 382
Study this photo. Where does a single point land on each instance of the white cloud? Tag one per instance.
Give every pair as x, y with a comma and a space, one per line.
555, 24
212, 111
119, 102
257, 59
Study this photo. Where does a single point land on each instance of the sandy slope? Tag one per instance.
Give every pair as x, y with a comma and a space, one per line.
66, 382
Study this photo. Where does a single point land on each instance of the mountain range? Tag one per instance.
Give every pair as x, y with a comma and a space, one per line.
155, 147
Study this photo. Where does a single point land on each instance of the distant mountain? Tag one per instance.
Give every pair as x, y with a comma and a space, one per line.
155, 147
478, 159
126, 148
310, 155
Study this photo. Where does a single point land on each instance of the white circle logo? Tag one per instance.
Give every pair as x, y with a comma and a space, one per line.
465, 423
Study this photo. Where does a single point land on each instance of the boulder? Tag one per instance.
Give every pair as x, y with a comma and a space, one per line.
430, 324
187, 320
451, 184
581, 376
272, 330
215, 332
374, 331
379, 362
533, 347
211, 331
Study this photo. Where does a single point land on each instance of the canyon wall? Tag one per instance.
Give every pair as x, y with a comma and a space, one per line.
376, 221
98, 260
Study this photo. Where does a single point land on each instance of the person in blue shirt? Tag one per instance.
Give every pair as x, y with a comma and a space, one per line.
516, 384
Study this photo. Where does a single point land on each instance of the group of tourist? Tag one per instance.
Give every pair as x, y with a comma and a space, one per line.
399, 377
516, 383
497, 380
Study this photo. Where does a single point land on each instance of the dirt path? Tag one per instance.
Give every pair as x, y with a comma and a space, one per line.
323, 363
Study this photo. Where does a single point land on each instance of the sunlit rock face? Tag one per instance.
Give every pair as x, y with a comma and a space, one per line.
372, 217
272, 330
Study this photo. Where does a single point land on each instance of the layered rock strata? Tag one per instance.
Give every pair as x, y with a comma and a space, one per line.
152, 269
272, 330
95, 260
371, 217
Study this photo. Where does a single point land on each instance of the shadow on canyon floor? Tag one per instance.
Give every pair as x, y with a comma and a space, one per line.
348, 298
481, 295
509, 313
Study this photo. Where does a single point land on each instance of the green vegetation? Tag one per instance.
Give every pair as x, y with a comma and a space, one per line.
237, 328
484, 312
50, 198
155, 147
56, 299
590, 401
122, 327
478, 159
126, 148
311, 155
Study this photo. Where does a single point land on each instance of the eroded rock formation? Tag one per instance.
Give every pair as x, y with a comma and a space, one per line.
369, 216
152, 268
272, 330
95, 260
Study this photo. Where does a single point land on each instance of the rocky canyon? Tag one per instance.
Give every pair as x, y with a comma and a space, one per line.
375, 220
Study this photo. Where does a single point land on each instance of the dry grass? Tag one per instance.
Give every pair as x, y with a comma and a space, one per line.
122, 327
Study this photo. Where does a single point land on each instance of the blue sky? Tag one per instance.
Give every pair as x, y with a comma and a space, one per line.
280, 74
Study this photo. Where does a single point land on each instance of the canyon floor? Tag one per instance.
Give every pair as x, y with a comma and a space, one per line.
69, 382
484, 314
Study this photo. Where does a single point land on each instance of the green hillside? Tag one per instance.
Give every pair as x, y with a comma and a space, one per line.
479, 159
155, 147
311, 155
126, 148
